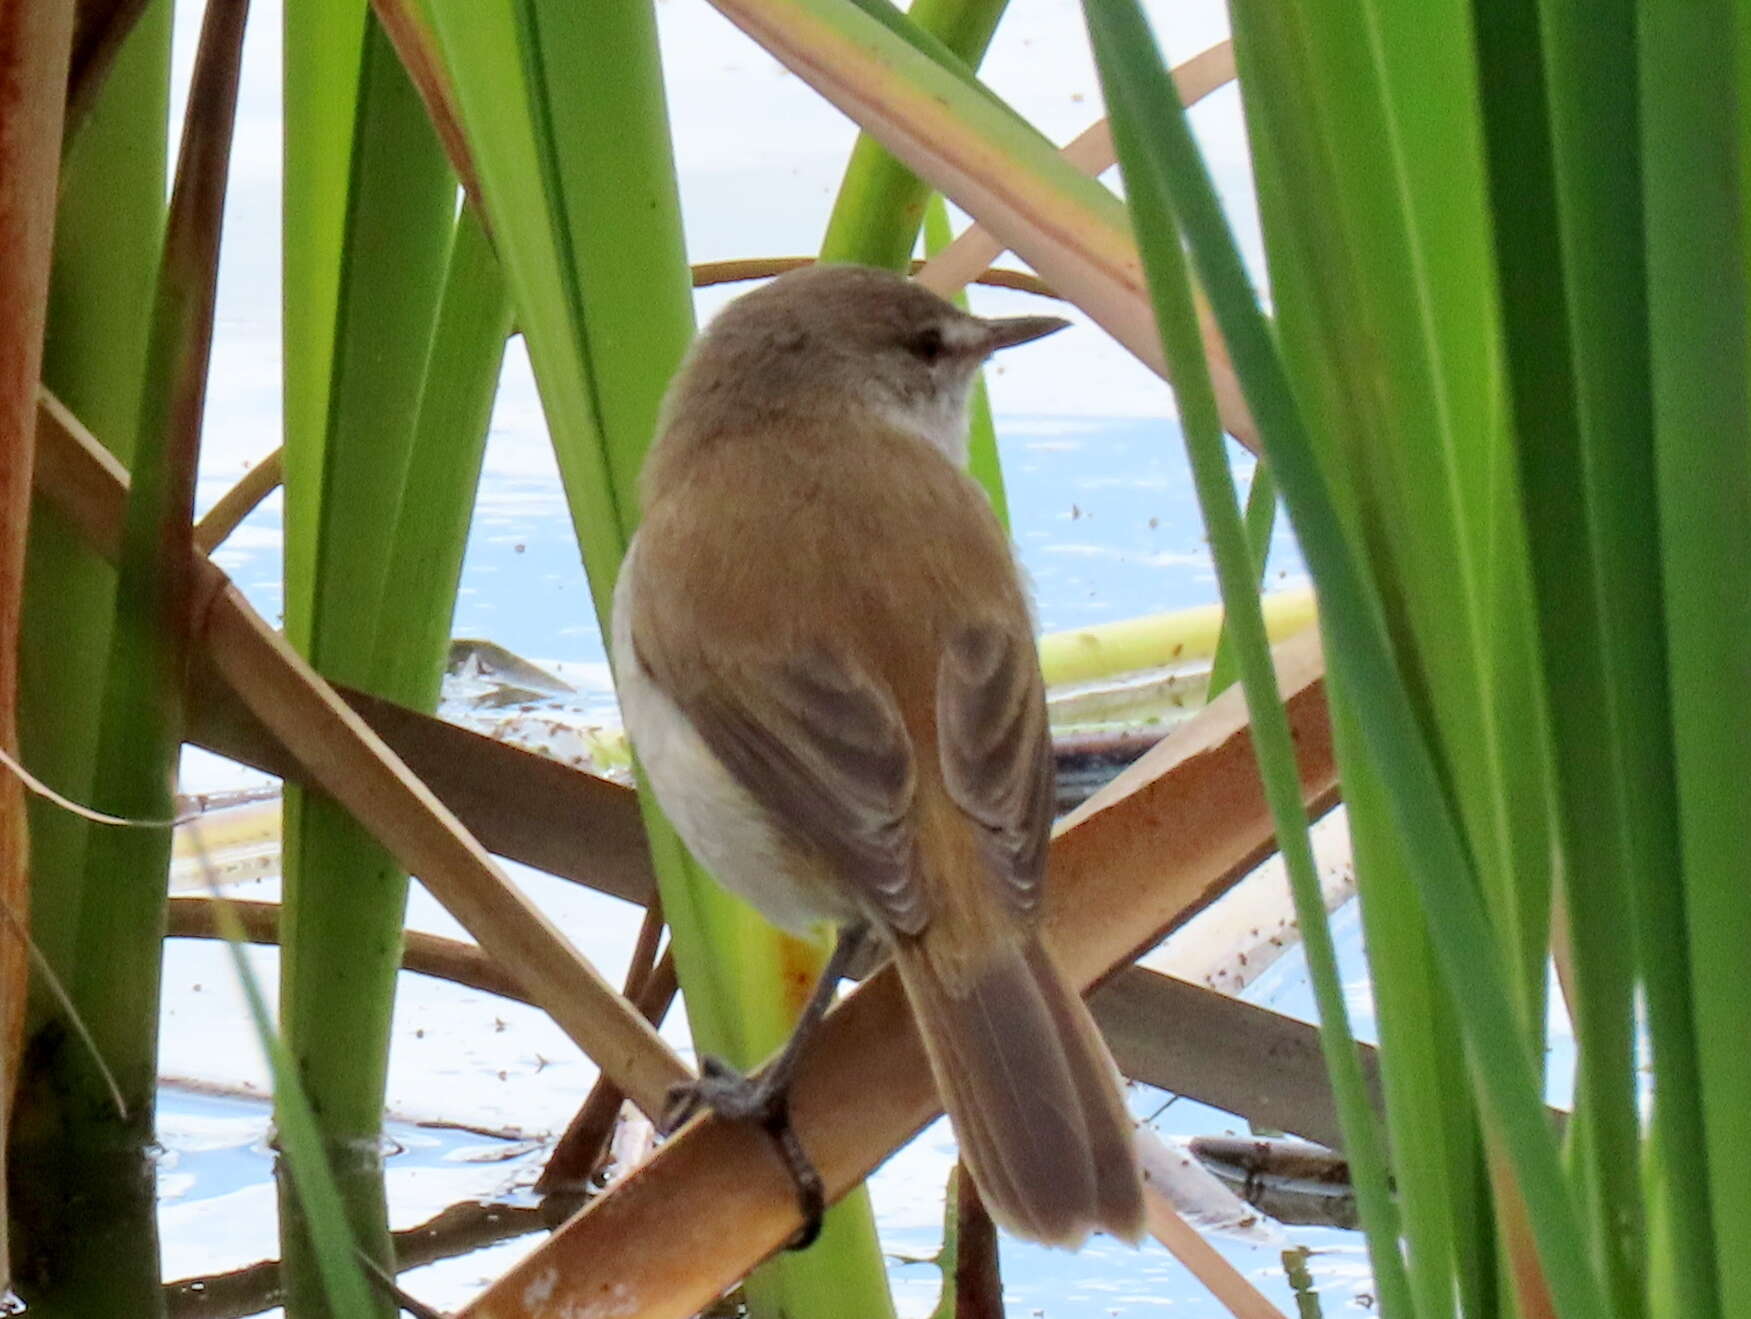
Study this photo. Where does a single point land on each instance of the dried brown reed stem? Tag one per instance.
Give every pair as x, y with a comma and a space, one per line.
239, 502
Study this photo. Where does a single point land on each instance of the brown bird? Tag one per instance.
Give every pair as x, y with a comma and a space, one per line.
826, 663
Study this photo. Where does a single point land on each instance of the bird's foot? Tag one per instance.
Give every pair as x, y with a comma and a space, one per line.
738, 1098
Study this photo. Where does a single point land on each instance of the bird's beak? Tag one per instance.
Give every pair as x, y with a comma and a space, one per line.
1013, 330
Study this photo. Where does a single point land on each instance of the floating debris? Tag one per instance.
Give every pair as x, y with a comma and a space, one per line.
1294, 1181
484, 673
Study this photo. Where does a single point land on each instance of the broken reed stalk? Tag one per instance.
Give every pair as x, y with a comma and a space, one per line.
1239, 1057
582, 1148
460, 963
978, 1277
519, 804
458, 1230
360, 772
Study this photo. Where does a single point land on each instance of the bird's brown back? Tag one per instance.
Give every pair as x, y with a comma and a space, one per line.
928, 567
720, 526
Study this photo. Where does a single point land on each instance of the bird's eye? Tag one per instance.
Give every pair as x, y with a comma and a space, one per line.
928, 344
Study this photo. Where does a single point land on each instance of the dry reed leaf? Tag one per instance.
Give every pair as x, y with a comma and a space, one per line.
961, 262
519, 804
579, 1152
1142, 857
1090, 259
978, 1276
340, 754
1202, 1260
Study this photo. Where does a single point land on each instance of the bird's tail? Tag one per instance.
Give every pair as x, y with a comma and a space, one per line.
1032, 1092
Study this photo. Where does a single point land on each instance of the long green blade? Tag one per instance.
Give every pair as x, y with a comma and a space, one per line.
108, 236
370, 211
1139, 93
1358, 652
1541, 373
1694, 179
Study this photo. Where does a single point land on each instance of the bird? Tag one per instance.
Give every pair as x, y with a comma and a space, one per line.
825, 658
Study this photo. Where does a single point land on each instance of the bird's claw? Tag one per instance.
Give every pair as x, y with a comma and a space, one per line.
740, 1098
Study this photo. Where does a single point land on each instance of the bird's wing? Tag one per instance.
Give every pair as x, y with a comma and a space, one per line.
996, 750
821, 746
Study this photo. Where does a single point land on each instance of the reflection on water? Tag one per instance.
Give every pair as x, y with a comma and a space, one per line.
217, 1163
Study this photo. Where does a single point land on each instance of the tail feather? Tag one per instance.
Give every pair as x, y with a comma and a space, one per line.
1032, 1092
1117, 1172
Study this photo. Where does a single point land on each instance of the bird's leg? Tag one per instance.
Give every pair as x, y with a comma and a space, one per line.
764, 1098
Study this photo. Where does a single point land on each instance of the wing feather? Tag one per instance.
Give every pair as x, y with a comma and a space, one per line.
996, 751
822, 747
